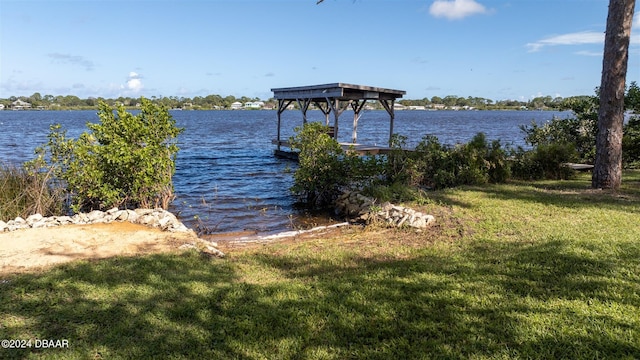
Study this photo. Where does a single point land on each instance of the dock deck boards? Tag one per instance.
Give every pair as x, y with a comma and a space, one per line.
360, 149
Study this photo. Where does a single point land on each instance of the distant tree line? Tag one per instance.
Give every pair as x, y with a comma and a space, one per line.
74, 102
541, 102
209, 102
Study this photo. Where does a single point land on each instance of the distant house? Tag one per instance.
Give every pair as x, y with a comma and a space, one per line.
1, 106
20, 105
236, 105
254, 105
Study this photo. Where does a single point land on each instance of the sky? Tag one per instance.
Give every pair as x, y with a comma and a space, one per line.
494, 49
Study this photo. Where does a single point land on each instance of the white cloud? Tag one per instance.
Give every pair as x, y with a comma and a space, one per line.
584, 38
578, 38
134, 83
72, 59
456, 9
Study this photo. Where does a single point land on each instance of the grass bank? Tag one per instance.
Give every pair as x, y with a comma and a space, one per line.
543, 270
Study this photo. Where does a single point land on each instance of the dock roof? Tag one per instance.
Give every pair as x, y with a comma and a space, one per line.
339, 91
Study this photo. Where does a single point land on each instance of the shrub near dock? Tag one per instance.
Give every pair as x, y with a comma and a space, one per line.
325, 171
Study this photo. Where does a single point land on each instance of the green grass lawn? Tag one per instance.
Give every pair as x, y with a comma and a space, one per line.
547, 270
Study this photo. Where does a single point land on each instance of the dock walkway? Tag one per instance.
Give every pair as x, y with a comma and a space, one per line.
360, 149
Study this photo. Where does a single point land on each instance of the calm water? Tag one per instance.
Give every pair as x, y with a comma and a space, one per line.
226, 173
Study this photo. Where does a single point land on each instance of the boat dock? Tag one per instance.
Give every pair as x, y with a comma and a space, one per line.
334, 99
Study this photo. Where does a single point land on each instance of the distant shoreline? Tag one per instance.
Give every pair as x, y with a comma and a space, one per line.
178, 109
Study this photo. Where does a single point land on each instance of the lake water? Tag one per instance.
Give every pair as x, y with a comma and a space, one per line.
226, 174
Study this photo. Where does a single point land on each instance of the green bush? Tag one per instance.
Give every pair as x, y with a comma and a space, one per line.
324, 169
497, 159
124, 161
400, 166
546, 161
631, 137
631, 143
558, 142
480, 162
476, 162
434, 164
632, 97
580, 134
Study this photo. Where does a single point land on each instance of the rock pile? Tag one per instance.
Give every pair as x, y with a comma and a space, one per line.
362, 208
399, 216
156, 218
352, 204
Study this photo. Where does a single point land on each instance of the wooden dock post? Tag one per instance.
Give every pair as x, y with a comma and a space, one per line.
282, 106
392, 116
357, 106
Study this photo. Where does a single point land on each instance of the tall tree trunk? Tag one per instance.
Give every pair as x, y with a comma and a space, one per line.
607, 172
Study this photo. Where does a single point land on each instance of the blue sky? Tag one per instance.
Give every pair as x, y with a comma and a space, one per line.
496, 49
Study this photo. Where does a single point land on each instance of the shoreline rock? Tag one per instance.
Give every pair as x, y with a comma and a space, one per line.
155, 218
362, 208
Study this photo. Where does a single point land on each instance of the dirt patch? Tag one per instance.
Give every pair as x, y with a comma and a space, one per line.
371, 239
35, 249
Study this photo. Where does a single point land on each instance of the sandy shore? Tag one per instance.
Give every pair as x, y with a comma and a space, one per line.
36, 249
